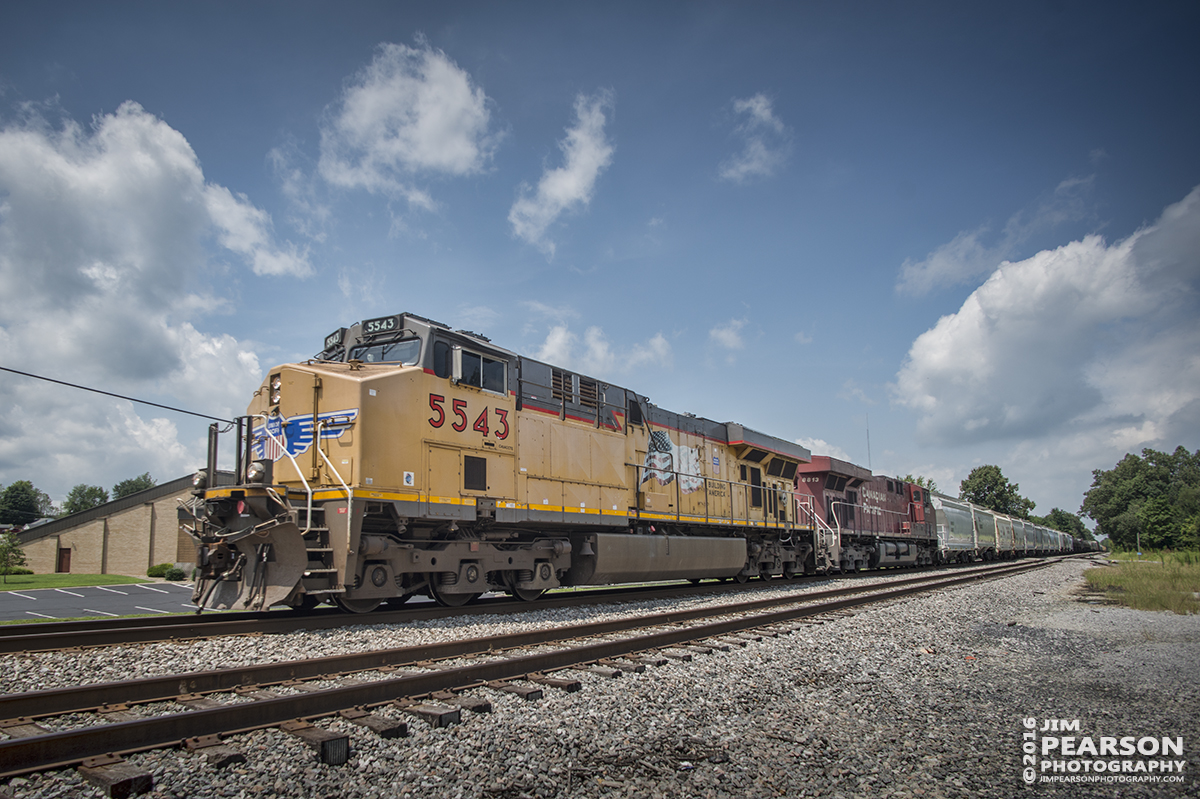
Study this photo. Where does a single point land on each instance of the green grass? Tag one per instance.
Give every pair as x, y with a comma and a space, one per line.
1159, 581
29, 582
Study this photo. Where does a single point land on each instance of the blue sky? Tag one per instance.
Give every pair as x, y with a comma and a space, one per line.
975, 227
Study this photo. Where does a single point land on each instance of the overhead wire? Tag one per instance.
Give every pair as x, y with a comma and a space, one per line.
118, 396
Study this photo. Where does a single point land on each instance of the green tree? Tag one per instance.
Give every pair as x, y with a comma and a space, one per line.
923, 481
133, 485
987, 486
22, 503
84, 497
11, 554
1155, 497
1059, 519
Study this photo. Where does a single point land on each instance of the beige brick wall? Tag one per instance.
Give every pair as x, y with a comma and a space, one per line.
42, 555
126, 543
129, 541
86, 543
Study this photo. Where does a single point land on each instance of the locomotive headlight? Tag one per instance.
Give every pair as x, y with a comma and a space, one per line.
276, 388
275, 397
256, 472
200, 480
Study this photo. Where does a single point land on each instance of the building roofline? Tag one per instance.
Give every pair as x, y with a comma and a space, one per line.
152, 494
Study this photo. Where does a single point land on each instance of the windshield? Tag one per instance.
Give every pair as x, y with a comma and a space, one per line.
406, 351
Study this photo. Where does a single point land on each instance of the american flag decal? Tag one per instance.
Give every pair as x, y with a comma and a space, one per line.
294, 434
664, 459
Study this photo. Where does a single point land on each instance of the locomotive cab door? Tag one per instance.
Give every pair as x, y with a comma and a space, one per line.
917, 504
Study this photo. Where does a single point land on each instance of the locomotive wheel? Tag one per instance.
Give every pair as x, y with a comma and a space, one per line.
356, 605
741, 577
527, 594
451, 600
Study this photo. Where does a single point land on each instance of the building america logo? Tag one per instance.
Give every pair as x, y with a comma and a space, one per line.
294, 434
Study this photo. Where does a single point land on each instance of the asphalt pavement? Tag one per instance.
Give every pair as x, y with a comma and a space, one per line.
133, 599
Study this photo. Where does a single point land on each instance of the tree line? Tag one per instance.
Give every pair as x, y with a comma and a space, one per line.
23, 503
1152, 501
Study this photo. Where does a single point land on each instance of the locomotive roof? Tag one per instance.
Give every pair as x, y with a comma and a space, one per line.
824, 463
750, 442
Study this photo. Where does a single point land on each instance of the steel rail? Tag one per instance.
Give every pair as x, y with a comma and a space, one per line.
54, 750
41, 637
57, 701
50, 636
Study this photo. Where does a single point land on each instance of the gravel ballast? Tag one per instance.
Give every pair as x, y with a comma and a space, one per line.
925, 696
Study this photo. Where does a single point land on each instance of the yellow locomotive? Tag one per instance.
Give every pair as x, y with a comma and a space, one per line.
410, 458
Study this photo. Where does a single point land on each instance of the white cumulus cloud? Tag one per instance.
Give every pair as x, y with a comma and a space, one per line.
587, 152
974, 253
595, 356
411, 112
108, 235
729, 334
1090, 348
766, 142
821, 447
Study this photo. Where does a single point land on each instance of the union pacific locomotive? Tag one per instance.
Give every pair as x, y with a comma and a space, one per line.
410, 458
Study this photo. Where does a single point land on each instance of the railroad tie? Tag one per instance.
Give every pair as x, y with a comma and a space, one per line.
526, 692
650, 660
116, 777
605, 671
22, 727
198, 702
624, 665
561, 683
115, 714
216, 752
382, 726
475, 704
332, 748
433, 714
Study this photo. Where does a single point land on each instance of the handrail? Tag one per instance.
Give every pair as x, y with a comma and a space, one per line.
299, 472
782, 493
329, 463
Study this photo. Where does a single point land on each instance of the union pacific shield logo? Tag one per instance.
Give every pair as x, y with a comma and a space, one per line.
294, 434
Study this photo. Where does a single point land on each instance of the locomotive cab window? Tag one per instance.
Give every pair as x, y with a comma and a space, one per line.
405, 352
473, 369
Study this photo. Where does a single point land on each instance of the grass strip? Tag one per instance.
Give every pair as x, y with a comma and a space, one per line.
1170, 582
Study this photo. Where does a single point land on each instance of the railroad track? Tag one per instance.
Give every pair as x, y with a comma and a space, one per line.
51, 636
429, 681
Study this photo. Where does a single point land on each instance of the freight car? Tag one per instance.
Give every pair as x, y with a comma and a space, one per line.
968, 532
410, 458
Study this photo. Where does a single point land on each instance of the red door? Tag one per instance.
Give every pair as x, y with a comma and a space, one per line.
64, 561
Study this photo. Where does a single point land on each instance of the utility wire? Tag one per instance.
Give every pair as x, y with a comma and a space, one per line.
118, 396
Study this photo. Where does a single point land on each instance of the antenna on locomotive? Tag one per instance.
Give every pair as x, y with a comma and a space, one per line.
869, 468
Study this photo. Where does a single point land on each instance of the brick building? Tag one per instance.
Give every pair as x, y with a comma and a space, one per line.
125, 536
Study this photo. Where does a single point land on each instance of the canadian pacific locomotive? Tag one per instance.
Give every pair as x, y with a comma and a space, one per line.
410, 458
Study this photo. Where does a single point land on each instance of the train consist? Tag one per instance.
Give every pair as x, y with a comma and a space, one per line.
408, 457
